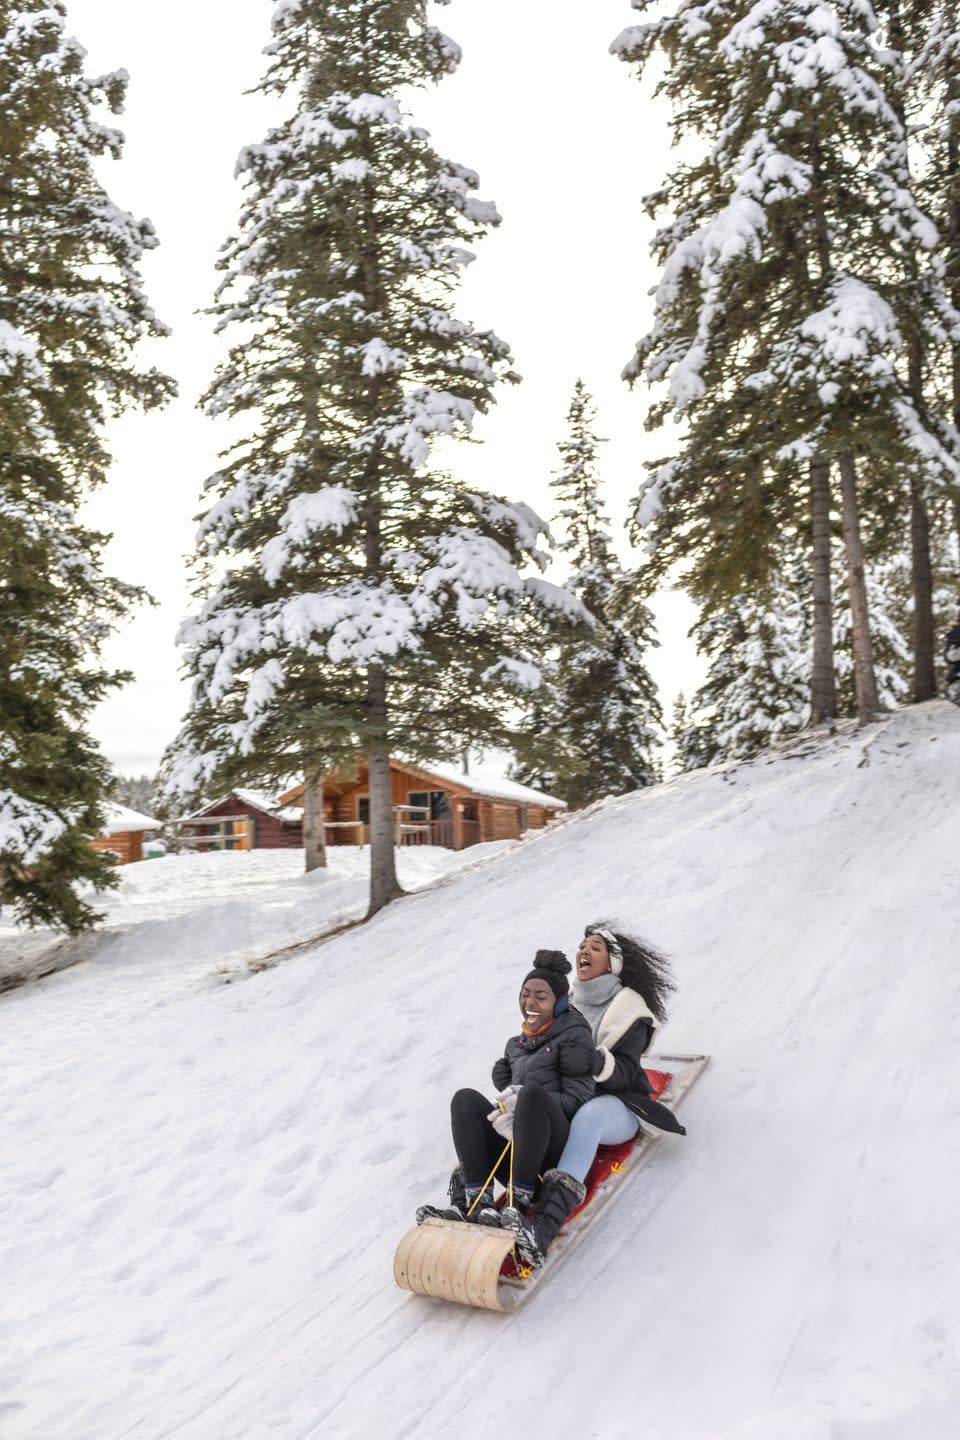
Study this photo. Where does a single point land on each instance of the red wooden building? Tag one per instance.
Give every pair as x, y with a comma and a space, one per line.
243, 820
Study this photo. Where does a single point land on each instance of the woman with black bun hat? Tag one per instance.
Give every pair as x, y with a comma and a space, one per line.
621, 987
542, 1078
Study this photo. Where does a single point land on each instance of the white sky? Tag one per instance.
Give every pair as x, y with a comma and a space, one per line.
566, 142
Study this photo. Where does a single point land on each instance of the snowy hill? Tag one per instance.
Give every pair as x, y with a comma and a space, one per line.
176, 919
202, 1188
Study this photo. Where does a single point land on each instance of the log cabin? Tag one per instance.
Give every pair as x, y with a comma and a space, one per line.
243, 820
123, 833
432, 805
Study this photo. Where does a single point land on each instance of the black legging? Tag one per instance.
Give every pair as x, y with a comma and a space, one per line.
540, 1131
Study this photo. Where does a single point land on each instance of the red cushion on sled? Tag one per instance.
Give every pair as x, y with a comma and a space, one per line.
607, 1157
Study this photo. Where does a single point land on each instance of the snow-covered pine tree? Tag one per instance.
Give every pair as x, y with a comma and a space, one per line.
137, 791
72, 308
774, 326
693, 740
922, 310
604, 717
758, 681
890, 597
932, 73
370, 603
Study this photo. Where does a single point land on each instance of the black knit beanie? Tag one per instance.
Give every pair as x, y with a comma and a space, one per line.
553, 967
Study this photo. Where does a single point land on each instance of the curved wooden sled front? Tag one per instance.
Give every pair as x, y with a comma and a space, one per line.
465, 1263
452, 1261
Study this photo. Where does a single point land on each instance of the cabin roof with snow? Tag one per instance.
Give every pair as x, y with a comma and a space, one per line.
445, 777
492, 787
121, 819
256, 801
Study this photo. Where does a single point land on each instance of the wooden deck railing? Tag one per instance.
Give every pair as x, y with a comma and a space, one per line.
224, 832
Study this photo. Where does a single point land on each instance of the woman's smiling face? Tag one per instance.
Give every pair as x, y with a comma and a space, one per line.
536, 1003
593, 958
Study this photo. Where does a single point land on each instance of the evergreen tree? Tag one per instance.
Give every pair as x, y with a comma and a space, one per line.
600, 713
137, 791
369, 602
758, 687
932, 76
790, 243
693, 740
71, 310
891, 600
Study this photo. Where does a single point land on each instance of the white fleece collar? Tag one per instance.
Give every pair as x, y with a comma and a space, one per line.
623, 1012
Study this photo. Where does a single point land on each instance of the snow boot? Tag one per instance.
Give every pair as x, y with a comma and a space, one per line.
457, 1208
522, 1208
559, 1196
477, 1207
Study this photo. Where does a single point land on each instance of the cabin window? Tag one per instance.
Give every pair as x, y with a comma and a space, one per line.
419, 802
522, 816
432, 804
363, 809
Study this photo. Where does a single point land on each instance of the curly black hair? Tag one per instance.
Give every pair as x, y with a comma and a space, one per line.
645, 969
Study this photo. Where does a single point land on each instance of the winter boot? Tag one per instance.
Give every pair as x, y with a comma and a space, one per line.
458, 1202
477, 1207
488, 1214
511, 1216
559, 1196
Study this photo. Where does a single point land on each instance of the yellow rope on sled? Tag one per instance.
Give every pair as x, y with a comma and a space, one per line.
489, 1179
510, 1186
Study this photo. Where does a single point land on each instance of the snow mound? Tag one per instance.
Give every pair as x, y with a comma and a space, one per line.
203, 1187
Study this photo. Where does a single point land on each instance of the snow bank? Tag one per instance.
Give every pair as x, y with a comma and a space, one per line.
202, 1190
179, 919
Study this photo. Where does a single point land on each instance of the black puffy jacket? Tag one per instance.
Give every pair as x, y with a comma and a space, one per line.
560, 1060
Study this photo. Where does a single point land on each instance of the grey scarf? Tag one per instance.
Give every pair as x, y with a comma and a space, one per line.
592, 997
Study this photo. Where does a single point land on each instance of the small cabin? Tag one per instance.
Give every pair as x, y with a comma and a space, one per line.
123, 833
243, 820
435, 805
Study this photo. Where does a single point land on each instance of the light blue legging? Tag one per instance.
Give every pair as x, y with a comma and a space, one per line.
605, 1120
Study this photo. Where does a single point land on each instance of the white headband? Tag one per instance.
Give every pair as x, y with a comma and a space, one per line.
613, 948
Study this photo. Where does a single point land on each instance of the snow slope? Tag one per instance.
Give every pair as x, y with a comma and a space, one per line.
202, 1189
184, 916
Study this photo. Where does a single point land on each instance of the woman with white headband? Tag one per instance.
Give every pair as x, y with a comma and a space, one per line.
621, 987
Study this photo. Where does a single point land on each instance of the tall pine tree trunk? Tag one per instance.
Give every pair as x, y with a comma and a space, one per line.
924, 677
865, 679
953, 228
824, 688
921, 570
384, 885
924, 640
823, 694
314, 847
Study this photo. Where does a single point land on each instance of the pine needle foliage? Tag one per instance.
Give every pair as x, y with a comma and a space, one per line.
597, 727
72, 308
357, 597
798, 267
